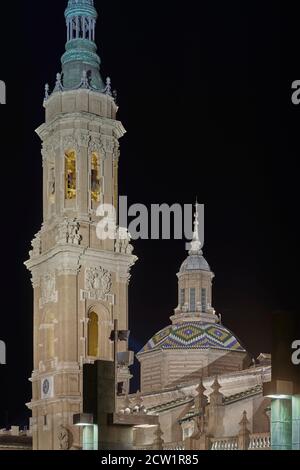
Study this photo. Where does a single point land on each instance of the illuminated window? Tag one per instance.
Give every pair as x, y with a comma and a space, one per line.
70, 172
203, 300
93, 330
192, 299
182, 297
95, 178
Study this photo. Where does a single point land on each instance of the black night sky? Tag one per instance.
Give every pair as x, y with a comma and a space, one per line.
204, 93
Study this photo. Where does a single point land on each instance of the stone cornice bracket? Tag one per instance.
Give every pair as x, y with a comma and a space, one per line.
36, 246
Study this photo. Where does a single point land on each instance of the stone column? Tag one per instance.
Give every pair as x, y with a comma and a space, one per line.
281, 425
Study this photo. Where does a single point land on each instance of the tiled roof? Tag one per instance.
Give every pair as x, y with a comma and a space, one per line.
169, 405
193, 335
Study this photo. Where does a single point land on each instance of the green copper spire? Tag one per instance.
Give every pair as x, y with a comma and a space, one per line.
80, 62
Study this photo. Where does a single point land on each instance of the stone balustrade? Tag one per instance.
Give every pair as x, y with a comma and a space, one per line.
174, 446
227, 443
260, 441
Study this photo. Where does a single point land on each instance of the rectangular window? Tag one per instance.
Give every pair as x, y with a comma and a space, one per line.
192, 299
203, 300
182, 297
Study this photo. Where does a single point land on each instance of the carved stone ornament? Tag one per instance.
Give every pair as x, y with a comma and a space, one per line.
69, 142
98, 283
63, 436
96, 146
83, 139
68, 232
48, 149
123, 239
109, 144
48, 292
36, 246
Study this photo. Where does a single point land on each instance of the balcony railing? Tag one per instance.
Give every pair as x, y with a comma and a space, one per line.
260, 441
174, 446
227, 443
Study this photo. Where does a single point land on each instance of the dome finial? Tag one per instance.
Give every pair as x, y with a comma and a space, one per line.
81, 50
196, 243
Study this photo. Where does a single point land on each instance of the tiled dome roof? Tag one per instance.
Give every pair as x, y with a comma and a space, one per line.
194, 335
195, 262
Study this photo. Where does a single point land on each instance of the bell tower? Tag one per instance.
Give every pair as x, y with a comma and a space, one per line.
80, 282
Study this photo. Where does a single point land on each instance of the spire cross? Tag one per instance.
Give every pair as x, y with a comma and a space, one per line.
196, 243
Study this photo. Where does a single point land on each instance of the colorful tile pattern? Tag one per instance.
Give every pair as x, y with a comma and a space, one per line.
194, 335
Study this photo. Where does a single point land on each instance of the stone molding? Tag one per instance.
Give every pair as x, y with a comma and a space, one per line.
48, 292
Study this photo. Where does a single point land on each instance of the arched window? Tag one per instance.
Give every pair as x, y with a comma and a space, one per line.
93, 331
182, 297
203, 300
192, 299
70, 174
95, 178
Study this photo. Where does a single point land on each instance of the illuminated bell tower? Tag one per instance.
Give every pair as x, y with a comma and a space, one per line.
80, 282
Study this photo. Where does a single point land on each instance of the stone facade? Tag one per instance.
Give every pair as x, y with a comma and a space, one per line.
197, 378
208, 416
80, 279
73, 272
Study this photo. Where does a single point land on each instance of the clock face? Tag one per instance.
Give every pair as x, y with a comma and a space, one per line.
46, 386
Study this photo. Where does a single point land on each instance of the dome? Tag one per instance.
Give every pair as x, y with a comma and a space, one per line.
195, 262
194, 335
